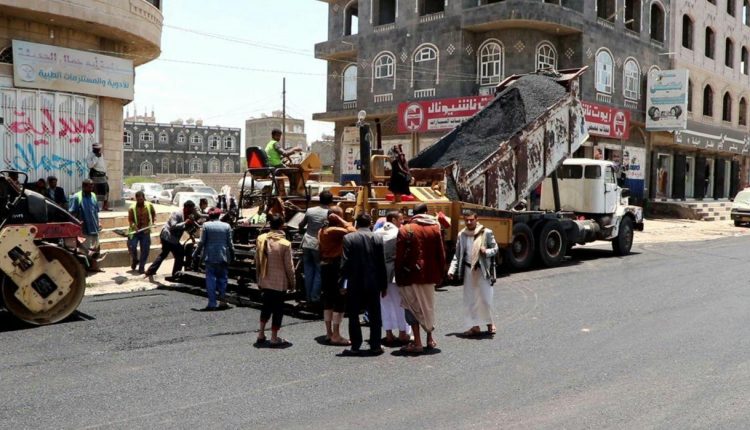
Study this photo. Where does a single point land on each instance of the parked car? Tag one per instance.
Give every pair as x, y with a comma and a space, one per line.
170, 185
128, 194
151, 190
202, 189
165, 198
740, 212
181, 197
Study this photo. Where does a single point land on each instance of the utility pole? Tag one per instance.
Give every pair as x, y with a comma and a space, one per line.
283, 113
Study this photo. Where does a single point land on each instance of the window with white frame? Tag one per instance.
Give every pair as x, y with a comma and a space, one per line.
196, 165
196, 139
214, 166
181, 138
490, 63
546, 58
349, 91
179, 166
213, 142
604, 66
228, 166
165, 165
147, 169
631, 79
127, 139
163, 137
427, 53
229, 142
146, 137
384, 66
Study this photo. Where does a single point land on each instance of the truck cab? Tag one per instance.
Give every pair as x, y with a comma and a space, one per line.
586, 187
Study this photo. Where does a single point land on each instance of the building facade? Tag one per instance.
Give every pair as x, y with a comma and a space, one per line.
181, 149
50, 122
382, 53
258, 131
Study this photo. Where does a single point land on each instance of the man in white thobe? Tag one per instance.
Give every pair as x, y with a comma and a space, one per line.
392, 314
98, 174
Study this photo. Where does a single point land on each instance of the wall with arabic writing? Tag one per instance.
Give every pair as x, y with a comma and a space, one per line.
45, 133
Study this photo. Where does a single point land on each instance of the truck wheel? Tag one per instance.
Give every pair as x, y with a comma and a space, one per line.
552, 243
520, 253
737, 223
624, 241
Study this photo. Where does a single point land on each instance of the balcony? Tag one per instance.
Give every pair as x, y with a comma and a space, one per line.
344, 48
533, 15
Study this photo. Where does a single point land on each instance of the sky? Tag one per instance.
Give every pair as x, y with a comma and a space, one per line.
223, 61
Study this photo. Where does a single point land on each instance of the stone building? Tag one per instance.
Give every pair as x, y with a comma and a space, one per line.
325, 148
182, 149
383, 53
66, 71
258, 131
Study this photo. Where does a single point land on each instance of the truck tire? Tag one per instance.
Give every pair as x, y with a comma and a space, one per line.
552, 243
737, 223
624, 241
520, 254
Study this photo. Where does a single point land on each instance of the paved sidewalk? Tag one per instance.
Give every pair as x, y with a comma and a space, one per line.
123, 280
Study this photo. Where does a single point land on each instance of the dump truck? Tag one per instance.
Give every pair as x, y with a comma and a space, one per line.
42, 276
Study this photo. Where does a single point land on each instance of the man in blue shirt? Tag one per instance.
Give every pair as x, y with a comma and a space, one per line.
84, 206
216, 244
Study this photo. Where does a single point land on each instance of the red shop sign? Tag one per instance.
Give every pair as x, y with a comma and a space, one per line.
607, 121
438, 115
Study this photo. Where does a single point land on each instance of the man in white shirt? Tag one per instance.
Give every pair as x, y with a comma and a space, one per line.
98, 174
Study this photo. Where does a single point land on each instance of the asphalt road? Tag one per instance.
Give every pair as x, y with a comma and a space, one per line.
653, 340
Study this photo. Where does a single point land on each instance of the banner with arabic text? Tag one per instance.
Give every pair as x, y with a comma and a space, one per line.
438, 115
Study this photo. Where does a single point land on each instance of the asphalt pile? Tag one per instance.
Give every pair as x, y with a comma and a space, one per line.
477, 138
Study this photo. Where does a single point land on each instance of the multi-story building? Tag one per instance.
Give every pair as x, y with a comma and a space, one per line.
151, 148
258, 130
325, 148
50, 120
383, 53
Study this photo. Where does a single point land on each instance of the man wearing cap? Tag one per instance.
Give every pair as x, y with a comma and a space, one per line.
98, 174
275, 151
217, 251
170, 239
55, 193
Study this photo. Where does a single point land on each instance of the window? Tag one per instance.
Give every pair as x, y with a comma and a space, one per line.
425, 54
726, 108
743, 61
181, 138
687, 32
196, 139
384, 66
570, 172
6, 55
745, 12
604, 65
690, 95
214, 142
425, 68
384, 11
633, 15
127, 139
657, 22
710, 42
490, 63
165, 165
427, 7
147, 169
592, 172
742, 120
349, 83
546, 57
730, 7
163, 137
729, 53
605, 9
708, 101
228, 166
631, 79
228, 143
196, 165
351, 18
214, 166
146, 137
179, 166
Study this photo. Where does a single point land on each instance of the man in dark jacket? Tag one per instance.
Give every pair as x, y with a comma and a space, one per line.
216, 244
55, 193
170, 239
363, 269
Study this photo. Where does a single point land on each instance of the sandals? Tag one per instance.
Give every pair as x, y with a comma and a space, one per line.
342, 342
491, 330
279, 343
412, 348
261, 341
472, 332
431, 345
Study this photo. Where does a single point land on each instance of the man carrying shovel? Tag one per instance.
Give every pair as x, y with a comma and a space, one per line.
141, 216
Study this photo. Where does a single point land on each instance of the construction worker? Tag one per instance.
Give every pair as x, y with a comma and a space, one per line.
275, 151
85, 207
141, 216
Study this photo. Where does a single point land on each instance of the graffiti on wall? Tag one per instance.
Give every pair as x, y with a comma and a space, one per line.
70, 128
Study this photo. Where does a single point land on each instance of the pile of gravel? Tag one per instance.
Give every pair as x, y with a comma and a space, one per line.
525, 100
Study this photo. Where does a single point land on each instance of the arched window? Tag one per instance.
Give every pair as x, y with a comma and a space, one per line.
214, 166
726, 108
6, 55
742, 120
384, 66
708, 101
657, 22
181, 139
146, 137
163, 138
690, 95
165, 165
351, 18
729, 53
127, 139
546, 58
687, 32
631, 79
425, 67
229, 142
196, 139
604, 67
349, 91
490, 63
147, 169
214, 141
228, 166
179, 167
710, 42
196, 165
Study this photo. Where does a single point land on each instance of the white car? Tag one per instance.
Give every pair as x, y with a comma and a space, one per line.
165, 198
151, 190
170, 185
181, 198
740, 212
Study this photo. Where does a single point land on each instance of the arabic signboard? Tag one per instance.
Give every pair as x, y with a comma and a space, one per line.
629, 158
60, 69
666, 100
350, 151
701, 136
607, 121
438, 115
